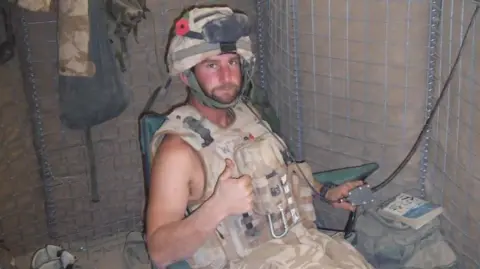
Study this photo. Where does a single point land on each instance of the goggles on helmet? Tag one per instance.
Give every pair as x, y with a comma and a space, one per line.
224, 30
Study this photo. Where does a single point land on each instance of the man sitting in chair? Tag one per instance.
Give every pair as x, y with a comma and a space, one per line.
225, 192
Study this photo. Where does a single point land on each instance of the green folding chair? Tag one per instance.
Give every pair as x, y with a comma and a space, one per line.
149, 122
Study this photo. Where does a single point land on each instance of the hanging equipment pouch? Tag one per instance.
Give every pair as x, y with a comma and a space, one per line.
86, 100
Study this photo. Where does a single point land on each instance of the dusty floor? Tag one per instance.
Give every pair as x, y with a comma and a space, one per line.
103, 253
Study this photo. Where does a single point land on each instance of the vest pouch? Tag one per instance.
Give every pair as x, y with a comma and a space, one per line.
299, 176
262, 160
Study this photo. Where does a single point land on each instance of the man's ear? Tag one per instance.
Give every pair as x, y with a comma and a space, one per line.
184, 79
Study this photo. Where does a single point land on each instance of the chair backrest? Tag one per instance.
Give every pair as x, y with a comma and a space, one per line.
148, 123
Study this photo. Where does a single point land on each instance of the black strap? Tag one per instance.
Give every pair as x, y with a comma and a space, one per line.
95, 197
228, 47
155, 93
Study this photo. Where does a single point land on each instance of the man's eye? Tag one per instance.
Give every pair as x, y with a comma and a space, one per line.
211, 65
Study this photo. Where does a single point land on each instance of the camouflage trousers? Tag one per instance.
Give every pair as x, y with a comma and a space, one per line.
304, 249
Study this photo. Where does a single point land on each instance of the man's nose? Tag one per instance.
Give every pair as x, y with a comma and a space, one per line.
225, 74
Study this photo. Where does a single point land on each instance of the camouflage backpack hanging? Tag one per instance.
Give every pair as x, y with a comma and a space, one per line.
123, 19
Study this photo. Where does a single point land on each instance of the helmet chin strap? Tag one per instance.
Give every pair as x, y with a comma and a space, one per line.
247, 71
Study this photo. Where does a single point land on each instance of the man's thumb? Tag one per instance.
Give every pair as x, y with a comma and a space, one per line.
228, 170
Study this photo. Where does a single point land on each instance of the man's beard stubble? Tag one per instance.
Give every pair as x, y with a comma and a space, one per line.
225, 93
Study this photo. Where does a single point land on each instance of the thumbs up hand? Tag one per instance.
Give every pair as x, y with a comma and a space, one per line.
234, 195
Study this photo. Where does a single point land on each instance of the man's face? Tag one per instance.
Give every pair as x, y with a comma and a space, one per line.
220, 77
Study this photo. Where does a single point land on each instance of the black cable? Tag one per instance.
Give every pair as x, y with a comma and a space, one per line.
350, 225
432, 113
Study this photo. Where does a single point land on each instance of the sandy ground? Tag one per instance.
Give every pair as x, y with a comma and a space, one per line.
102, 254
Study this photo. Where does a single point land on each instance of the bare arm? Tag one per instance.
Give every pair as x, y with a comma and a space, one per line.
339, 192
170, 236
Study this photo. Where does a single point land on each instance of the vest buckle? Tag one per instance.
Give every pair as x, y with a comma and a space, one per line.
284, 221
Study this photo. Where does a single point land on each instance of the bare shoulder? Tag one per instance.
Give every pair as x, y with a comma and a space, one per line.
174, 161
172, 146
169, 190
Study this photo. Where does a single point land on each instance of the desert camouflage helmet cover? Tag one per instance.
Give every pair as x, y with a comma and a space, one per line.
191, 43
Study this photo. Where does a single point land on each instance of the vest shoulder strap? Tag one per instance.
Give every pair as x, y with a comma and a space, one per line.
186, 122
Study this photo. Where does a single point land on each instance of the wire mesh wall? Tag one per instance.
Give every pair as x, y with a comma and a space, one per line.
453, 158
278, 73
351, 81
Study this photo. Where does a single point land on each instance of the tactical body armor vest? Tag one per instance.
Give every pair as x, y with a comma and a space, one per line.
282, 199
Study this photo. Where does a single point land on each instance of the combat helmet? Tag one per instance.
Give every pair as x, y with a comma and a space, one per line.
203, 32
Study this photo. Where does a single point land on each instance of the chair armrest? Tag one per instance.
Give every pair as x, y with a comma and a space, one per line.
341, 175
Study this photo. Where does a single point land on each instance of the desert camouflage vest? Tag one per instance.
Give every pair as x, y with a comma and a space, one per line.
282, 199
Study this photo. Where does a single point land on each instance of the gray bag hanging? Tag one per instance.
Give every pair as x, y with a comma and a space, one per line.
89, 101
